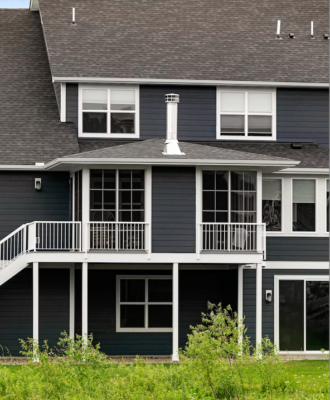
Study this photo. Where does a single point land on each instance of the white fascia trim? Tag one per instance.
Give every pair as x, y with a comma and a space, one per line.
160, 161
296, 265
304, 171
22, 167
63, 102
202, 82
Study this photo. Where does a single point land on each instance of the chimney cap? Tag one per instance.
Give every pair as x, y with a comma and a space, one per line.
172, 98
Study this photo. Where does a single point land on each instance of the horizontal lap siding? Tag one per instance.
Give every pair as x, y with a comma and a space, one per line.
249, 303
297, 249
173, 210
196, 116
268, 284
303, 115
16, 312
72, 103
20, 203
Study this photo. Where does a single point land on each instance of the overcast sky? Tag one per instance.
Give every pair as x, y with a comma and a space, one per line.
14, 3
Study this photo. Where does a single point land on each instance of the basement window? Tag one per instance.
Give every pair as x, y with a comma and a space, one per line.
246, 114
108, 112
144, 303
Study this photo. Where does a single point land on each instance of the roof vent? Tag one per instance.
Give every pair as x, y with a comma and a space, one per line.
291, 35
326, 35
296, 146
73, 16
172, 145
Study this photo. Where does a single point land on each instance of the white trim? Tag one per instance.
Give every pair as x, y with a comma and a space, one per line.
110, 135
304, 171
240, 293
175, 315
199, 210
297, 265
84, 318
246, 114
202, 82
259, 301
85, 205
36, 301
148, 207
277, 279
63, 102
145, 303
72, 301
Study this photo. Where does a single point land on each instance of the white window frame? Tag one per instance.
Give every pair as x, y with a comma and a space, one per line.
246, 113
108, 112
145, 303
277, 279
282, 203
307, 233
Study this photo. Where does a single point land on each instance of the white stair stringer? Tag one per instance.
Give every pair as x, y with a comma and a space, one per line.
13, 268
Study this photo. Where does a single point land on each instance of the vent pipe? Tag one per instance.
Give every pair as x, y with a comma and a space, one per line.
73, 16
171, 144
278, 31
312, 29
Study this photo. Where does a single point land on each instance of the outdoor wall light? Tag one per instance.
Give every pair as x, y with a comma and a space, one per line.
37, 184
269, 296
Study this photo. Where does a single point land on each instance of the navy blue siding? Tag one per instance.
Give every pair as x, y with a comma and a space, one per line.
173, 210
268, 284
303, 115
297, 249
72, 103
20, 203
196, 117
249, 303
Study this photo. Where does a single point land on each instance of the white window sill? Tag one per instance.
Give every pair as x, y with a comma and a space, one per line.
243, 138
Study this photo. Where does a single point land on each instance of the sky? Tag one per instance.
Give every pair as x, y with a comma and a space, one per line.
14, 3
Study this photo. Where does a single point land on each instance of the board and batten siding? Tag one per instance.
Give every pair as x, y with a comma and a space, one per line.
20, 203
303, 115
297, 248
173, 209
268, 284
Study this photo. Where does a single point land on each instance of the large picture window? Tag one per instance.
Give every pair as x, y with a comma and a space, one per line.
144, 304
303, 205
109, 112
272, 204
246, 114
303, 313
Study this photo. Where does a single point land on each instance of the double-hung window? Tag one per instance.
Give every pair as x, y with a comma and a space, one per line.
109, 112
144, 303
272, 204
303, 205
246, 114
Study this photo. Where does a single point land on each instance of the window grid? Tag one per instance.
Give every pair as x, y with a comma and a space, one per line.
146, 303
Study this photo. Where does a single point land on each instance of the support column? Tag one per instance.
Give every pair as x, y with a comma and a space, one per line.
258, 303
85, 300
175, 334
85, 209
72, 301
36, 303
240, 293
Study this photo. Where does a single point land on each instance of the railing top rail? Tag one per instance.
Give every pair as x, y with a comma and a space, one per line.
119, 222
56, 222
13, 233
232, 223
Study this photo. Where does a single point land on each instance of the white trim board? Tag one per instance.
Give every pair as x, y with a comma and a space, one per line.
202, 82
296, 265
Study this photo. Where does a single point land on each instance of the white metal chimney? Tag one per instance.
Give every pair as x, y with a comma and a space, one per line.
172, 145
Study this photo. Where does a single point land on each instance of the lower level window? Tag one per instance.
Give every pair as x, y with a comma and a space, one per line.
303, 311
144, 304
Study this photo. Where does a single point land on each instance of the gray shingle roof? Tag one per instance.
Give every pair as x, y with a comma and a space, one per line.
188, 39
30, 129
153, 149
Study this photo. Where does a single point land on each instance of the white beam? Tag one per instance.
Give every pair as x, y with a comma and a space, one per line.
240, 293
36, 303
175, 334
63, 102
72, 301
85, 300
258, 303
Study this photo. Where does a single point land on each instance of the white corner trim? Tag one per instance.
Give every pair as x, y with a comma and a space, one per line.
297, 265
201, 82
63, 102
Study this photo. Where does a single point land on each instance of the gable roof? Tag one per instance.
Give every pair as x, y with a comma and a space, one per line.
30, 130
210, 40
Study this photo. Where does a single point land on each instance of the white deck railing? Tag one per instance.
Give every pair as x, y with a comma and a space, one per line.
231, 237
118, 236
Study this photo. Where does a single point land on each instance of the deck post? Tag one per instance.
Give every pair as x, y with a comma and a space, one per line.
258, 303
72, 300
35, 305
85, 300
175, 334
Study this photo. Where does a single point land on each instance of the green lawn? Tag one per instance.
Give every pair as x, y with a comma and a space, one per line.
302, 380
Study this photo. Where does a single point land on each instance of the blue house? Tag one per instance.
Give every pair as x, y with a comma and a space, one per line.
157, 155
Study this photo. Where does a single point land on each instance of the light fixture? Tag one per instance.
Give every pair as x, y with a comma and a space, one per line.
269, 296
37, 184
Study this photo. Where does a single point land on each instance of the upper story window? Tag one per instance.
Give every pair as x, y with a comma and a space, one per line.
246, 114
303, 205
109, 112
272, 204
